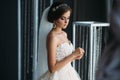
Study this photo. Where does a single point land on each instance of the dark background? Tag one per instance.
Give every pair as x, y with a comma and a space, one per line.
9, 30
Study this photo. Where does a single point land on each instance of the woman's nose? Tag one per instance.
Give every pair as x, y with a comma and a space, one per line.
65, 20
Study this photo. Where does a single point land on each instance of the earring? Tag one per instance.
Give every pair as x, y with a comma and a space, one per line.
54, 25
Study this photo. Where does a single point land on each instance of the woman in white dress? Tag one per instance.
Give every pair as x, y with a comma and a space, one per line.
60, 51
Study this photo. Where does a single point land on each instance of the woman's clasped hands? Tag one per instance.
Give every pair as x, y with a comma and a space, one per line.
78, 53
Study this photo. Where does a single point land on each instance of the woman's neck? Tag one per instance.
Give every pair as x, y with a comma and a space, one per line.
57, 29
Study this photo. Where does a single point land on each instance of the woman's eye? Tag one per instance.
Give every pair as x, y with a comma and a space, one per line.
62, 18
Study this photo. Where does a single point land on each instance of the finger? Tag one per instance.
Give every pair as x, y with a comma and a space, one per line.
82, 50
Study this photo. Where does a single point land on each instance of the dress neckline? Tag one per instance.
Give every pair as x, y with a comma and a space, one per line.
68, 42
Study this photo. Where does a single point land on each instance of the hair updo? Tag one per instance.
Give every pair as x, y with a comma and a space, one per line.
57, 10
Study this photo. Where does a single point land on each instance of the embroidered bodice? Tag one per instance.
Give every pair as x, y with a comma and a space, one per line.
64, 50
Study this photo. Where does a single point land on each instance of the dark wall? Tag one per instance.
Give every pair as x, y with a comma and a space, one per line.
8, 39
87, 10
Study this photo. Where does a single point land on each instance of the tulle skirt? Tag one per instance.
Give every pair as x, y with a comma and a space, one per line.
66, 73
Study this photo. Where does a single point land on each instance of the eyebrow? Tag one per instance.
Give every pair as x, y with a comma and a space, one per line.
66, 17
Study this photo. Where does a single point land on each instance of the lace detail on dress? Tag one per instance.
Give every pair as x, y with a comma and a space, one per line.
64, 50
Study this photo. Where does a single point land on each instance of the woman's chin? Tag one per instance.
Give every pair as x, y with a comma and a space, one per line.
64, 27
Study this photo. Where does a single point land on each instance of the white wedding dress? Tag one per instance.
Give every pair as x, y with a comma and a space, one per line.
67, 72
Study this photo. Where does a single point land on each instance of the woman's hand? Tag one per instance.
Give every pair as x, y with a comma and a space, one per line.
78, 53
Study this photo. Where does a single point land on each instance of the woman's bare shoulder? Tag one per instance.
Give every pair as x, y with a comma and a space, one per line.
51, 36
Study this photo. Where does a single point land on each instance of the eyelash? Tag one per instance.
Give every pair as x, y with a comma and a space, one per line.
64, 18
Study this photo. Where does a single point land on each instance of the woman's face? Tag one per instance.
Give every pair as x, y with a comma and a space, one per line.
63, 21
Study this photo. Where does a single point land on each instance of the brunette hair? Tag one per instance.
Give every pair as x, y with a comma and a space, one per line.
57, 10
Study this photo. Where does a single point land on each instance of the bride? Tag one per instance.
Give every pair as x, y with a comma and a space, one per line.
55, 50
